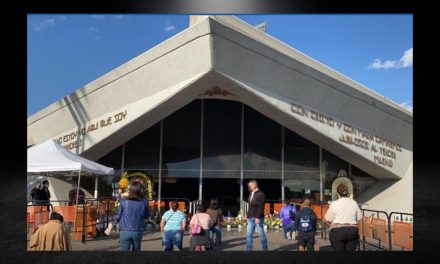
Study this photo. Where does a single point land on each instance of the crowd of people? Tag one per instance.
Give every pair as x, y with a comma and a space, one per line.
204, 226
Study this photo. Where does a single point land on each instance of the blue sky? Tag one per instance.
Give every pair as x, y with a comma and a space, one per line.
66, 52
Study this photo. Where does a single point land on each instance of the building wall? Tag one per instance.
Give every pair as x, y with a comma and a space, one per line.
391, 196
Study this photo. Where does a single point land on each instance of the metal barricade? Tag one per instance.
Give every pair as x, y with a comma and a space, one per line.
244, 206
193, 205
402, 230
377, 227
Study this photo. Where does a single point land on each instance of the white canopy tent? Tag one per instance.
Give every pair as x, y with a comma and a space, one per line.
51, 159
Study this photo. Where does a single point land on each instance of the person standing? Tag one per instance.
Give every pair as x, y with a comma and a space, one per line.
50, 236
305, 222
216, 215
44, 195
287, 215
72, 195
172, 227
200, 241
255, 216
34, 196
343, 216
131, 215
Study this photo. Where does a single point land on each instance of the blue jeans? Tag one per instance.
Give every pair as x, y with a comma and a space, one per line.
130, 238
290, 228
217, 232
172, 238
250, 234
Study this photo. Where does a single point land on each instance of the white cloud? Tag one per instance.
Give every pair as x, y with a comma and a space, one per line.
169, 27
404, 62
408, 105
407, 58
47, 23
95, 32
118, 17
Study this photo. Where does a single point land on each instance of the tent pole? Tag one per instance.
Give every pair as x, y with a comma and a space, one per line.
76, 206
96, 187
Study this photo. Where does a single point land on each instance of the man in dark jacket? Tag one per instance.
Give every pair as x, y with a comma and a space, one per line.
305, 223
44, 194
255, 216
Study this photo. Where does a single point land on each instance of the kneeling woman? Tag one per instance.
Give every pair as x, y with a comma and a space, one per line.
132, 212
200, 241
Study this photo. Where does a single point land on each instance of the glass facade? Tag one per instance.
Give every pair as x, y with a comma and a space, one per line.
181, 142
142, 151
264, 143
262, 146
114, 160
221, 139
362, 181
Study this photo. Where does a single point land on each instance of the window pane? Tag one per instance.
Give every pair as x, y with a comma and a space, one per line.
142, 151
262, 143
299, 153
362, 181
221, 174
333, 166
181, 139
113, 160
188, 173
221, 138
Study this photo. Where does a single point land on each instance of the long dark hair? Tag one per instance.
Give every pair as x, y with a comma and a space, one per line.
213, 204
135, 191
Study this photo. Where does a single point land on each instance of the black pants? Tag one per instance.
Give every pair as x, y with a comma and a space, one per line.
307, 240
344, 238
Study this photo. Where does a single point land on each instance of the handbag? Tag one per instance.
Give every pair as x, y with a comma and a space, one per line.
196, 229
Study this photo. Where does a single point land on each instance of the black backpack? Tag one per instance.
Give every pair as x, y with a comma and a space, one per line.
305, 225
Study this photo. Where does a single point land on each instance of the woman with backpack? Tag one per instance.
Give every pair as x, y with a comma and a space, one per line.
287, 215
216, 215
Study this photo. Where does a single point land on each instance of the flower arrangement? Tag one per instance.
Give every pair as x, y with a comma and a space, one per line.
123, 183
272, 221
145, 180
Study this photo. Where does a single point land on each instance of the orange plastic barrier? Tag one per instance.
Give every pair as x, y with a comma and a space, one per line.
28, 218
402, 235
277, 207
317, 210
181, 206
89, 224
365, 227
68, 212
267, 208
38, 215
379, 229
102, 207
31, 211
325, 208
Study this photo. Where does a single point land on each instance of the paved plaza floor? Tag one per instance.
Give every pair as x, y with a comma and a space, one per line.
232, 241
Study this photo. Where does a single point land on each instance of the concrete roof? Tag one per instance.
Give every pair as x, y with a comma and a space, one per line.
221, 55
